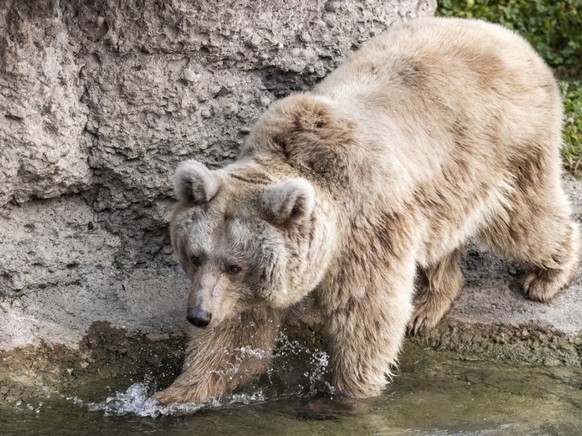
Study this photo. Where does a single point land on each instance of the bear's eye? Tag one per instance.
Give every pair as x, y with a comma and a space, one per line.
195, 260
233, 270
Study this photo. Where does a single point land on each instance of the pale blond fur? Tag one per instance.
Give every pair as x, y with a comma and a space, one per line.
437, 131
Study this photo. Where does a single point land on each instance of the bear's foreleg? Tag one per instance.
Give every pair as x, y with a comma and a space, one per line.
366, 334
221, 358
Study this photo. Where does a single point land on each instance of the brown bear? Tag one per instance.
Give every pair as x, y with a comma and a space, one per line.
437, 131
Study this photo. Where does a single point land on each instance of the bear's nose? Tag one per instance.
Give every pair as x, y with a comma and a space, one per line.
198, 317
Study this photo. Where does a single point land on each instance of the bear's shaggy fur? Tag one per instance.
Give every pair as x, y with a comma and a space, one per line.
366, 188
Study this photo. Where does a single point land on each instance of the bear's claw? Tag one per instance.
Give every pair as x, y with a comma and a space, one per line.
427, 315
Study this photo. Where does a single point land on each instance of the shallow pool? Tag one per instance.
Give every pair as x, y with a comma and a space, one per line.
433, 393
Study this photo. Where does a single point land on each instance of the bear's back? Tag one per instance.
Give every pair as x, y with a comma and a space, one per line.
433, 109
420, 75
439, 89
439, 54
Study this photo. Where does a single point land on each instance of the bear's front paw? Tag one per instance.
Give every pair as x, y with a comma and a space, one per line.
178, 395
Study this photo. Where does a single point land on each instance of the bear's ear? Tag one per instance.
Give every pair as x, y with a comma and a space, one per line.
194, 183
290, 201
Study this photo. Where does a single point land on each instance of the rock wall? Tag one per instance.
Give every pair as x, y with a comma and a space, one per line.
99, 101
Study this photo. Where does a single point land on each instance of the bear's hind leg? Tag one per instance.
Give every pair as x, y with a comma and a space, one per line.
437, 287
555, 270
537, 231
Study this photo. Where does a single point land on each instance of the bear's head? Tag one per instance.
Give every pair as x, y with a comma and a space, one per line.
245, 240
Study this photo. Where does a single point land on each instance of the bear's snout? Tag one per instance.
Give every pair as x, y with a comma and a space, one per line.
198, 317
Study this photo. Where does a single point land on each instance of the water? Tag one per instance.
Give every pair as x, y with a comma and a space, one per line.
433, 393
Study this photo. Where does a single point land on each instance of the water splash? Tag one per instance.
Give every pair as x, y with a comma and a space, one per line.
137, 400
297, 371
302, 370
28, 406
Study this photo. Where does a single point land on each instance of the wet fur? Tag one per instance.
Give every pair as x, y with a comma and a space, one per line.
437, 131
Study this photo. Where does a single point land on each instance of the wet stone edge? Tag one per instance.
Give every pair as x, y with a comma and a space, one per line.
528, 343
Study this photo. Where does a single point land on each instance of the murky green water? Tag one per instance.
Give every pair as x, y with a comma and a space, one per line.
434, 393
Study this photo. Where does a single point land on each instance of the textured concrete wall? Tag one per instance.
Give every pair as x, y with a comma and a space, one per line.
99, 100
